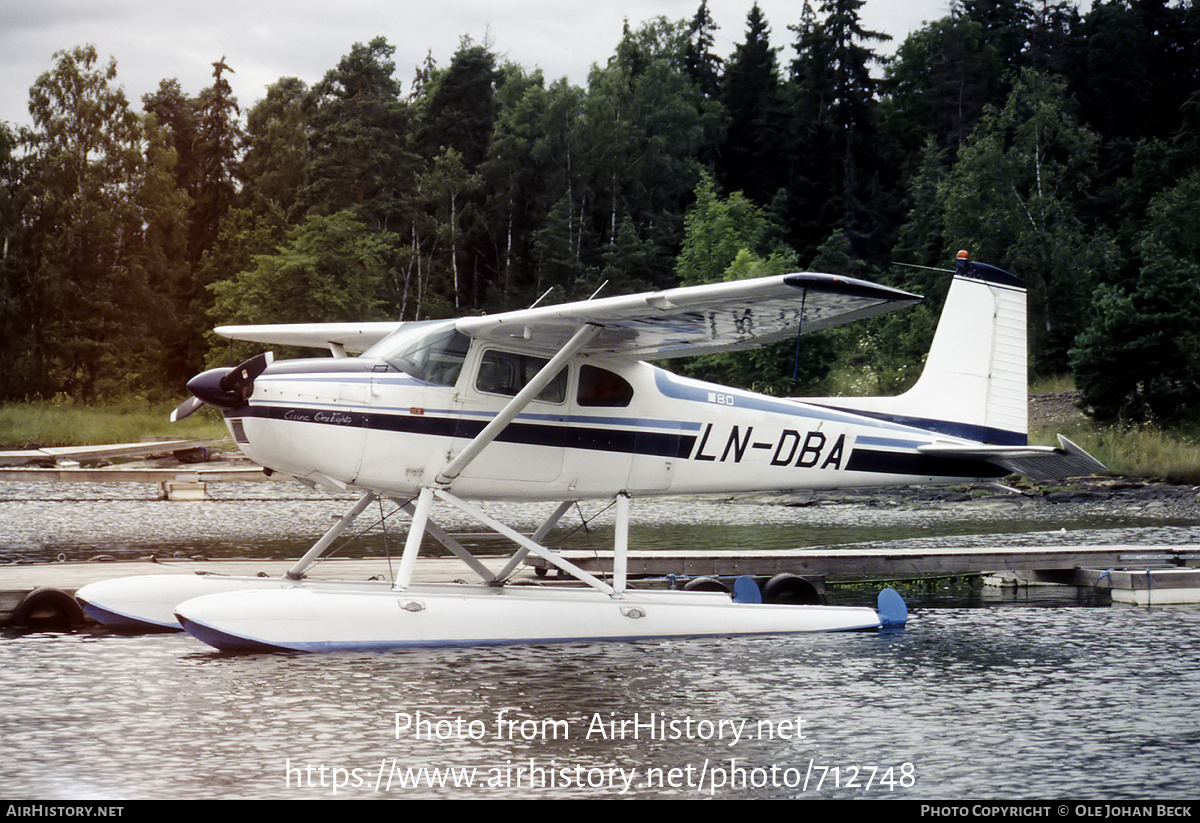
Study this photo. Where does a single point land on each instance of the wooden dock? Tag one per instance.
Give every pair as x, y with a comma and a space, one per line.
81, 454
184, 482
887, 561
1142, 575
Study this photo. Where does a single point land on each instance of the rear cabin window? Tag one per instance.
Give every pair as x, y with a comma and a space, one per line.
600, 387
506, 373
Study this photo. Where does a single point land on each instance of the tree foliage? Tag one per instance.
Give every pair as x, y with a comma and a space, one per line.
86, 297
1015, 197
330, 268
719, 229
1139, 359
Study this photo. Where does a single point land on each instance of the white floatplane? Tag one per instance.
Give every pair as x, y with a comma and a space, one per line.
560, 404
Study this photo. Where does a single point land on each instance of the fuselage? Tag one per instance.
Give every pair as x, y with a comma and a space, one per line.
390, 421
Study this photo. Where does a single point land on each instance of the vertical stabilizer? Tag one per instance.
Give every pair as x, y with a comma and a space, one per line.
974, 382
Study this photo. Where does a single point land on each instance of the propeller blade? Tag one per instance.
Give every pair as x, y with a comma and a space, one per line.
185, 408
240, 380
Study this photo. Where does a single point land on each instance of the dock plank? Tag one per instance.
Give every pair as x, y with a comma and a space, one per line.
21, 456
72, 576
118, 475
878, 561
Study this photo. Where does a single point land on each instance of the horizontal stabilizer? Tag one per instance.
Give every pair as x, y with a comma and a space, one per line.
1038, 463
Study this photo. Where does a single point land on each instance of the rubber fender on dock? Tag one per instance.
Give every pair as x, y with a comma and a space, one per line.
705, 584
47, 608
792, 589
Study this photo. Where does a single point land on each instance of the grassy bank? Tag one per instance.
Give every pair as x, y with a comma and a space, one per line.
1134, 450
67, 424
1137, 451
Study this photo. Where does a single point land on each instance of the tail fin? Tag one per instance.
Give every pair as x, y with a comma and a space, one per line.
974, 384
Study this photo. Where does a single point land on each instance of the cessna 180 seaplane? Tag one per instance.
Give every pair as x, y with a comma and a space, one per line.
560, 404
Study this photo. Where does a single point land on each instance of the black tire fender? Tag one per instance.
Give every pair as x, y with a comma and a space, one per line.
791, 588
48, 608
705, 584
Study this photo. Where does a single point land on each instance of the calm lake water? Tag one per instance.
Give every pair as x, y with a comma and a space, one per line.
979, 697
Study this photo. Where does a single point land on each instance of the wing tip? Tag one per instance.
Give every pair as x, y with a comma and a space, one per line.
851, 286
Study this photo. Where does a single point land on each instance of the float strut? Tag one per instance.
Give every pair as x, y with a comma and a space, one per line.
412, 546
297, 571
537, 537
621, 543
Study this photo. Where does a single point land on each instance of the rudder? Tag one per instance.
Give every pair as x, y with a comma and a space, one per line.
974, 384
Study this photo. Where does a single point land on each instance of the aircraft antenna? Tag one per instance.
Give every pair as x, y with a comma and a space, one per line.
543, 297
927, 268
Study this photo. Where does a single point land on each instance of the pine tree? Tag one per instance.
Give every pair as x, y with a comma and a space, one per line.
535, 161
460, 110
852, 112
938, 83
752, 156
359, 154
217, 152
1015, 199
16, 326
699, 62
277, 148
642, 132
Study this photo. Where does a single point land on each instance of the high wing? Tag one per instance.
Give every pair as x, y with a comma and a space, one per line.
716, 317
337, 337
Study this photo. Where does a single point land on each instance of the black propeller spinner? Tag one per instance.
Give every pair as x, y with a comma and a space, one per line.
224, 388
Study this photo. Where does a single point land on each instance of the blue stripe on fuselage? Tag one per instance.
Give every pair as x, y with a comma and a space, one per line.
627, 438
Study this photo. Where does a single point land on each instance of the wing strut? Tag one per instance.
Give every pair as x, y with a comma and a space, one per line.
515, 406
425, 500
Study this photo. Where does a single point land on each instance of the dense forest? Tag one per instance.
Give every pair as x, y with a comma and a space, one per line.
1064, 147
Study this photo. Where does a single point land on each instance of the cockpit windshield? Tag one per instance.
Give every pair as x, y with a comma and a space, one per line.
431, 351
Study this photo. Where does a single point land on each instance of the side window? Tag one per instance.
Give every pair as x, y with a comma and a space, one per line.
506, 373
600, 387
443, 363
